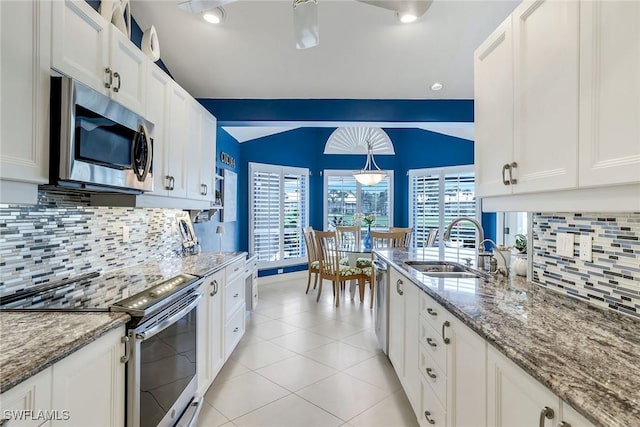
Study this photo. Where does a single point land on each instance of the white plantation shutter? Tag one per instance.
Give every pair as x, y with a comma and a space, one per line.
437, 196
278, 212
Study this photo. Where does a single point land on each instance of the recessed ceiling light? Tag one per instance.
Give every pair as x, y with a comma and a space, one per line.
214, 16
406, 18
436, 86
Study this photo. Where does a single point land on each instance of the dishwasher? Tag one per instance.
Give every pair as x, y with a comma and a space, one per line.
381, 308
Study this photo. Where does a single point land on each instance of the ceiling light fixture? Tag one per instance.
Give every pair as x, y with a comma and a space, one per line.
368, 175
436, 86
214, 16
406, 18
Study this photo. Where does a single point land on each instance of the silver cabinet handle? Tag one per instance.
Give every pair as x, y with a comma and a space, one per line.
215, 287
203, 190
431, 343
398, 290
4, 422
427, 415
432, 312
127, 349
505, 181
116, 75
109, 72
172, 182
236, 329
236, 295
430, 373
546, 413
564, 424
446, 324
206, 189
512, 166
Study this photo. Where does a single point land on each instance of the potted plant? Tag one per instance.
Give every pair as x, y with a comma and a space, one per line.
520, 265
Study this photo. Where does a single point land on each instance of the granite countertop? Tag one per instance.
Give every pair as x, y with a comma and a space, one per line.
32, 341
588, 356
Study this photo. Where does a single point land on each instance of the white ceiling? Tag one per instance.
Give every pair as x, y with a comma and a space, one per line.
364, 52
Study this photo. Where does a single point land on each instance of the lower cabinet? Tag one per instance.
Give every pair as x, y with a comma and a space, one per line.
514, 398
234, 306
210, 333
85, 388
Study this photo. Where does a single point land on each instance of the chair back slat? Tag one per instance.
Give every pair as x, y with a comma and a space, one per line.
349, 236
310, 244
387, 239
327, 245
408, 232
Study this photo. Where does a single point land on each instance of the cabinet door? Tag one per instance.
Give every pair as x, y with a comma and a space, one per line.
545, 35
177, 131
609, 92
493, 110
572, 417
158, 92
195, 189
80, 43
208, 156
34, 395
129, 66
412, 344
24, 89
90, 383
210, 326
466, 385
396, 321
513, 397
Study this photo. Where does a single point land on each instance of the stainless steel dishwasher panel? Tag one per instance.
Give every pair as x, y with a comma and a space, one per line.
381, 308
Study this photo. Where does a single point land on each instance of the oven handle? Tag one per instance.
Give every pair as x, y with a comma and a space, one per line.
190, 415
145, 335
379, 266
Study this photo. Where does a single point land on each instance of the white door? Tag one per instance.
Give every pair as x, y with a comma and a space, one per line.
545, 36
573, 418
129, 66
177, 130
396, 321
195, 187
208, 156
33, 394
609, 92
493, 111
158, 92
412, 343
24, 90
80, 43
514, 398
210, 327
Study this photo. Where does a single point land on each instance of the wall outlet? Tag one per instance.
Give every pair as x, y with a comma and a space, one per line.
586, 248
280, 270
564, 244
125, 234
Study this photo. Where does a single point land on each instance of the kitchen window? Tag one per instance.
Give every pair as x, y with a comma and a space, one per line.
344, 196
279, 209
437, 196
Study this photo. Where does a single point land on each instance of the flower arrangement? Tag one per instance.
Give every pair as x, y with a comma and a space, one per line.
369, 219
357, 218
521, 243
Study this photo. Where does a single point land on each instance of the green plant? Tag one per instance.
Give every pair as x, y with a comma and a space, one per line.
521, 243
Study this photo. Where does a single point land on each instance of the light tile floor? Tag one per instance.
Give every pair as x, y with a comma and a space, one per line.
302, 363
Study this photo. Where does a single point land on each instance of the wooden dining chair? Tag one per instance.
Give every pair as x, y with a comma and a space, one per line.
349, 235
327, 243
387, 239
312, 257
408, 232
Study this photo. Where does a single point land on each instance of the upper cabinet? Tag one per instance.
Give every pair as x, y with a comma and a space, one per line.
91, 50
609, 92
557, 101
24, 101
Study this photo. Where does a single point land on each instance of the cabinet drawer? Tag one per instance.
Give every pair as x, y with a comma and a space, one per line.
235, 269
432, 413
234, 296
433, 375
234, 330
433, 343
433, 312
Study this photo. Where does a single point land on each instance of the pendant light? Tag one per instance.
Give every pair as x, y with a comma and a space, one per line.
368, 175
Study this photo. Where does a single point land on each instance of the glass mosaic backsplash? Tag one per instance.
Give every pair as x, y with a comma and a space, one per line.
62, 236
612, 279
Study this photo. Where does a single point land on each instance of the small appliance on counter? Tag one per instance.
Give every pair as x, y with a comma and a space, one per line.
190, 243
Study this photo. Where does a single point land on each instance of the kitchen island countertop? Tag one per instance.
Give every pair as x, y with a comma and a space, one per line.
588, 356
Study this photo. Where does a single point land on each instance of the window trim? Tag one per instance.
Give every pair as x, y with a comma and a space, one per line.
347, 172
282, 171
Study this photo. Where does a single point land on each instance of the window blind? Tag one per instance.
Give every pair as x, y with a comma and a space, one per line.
278, 212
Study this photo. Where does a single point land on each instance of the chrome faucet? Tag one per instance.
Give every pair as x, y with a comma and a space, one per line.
447, 236
506, 267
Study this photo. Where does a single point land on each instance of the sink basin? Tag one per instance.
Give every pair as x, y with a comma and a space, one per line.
445, 269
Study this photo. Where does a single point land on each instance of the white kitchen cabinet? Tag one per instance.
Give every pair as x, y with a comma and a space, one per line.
514, 398
208, 156
201, 141
88, 48
33, 395
234, 306
493, 110
194, 142
609, 93
158, 98
396, 321
24, 98
211, 355
176, 164
90, 383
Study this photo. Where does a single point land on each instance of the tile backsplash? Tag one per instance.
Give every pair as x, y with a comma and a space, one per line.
612, 279
62, 236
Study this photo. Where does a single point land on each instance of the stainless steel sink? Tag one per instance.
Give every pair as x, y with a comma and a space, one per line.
445, 269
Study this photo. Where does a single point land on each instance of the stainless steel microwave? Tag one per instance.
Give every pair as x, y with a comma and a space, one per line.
97, 143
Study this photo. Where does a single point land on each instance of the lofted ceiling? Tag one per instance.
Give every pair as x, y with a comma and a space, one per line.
364, 51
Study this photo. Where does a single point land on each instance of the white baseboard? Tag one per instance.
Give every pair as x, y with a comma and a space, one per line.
279, 278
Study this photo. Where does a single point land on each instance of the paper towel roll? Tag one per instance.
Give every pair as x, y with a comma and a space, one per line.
150, 44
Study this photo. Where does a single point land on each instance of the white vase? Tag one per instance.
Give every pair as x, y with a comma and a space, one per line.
520, 265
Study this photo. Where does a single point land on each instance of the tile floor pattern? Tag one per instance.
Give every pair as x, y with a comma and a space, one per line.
302, 363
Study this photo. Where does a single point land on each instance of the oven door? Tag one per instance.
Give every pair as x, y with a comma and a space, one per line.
161, 373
